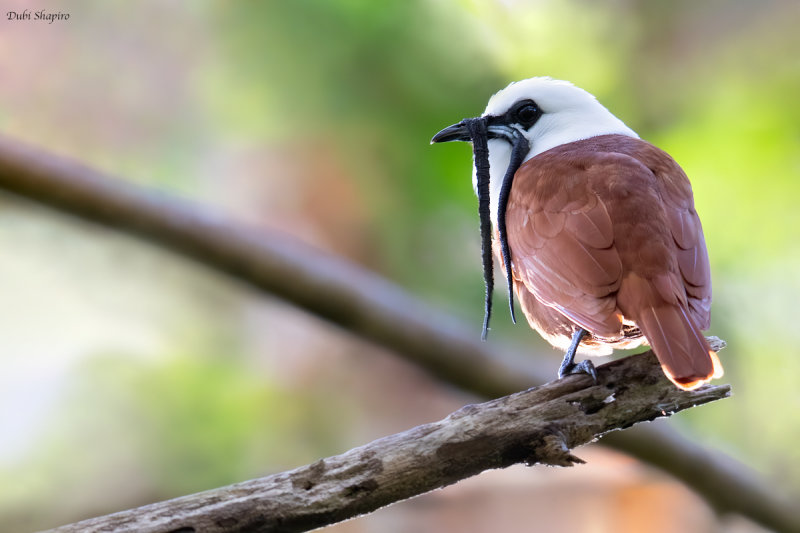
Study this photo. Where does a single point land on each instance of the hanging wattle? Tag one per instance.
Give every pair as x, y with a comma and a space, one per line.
477, 132
477, 129
519, 149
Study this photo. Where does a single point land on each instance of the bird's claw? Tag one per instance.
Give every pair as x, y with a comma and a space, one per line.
584, 367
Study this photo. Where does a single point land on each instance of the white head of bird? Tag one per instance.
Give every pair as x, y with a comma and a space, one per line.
546, 113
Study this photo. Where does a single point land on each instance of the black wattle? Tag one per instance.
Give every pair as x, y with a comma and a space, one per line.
477, 131
519, 149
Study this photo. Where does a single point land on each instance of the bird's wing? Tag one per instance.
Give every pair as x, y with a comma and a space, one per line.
562, 241
687, 232
597, 235
562, 237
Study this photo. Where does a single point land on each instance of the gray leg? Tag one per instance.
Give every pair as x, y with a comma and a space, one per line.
568, 365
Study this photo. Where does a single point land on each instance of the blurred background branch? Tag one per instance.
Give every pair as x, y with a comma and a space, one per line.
541, 425
362, 303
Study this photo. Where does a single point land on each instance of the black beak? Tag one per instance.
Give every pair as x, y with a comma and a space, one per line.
456, 132
494, 130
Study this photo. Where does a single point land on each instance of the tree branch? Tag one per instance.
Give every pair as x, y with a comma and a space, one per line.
366, 305
539, 425
330, 287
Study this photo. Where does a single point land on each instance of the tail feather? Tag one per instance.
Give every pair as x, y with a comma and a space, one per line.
681, 348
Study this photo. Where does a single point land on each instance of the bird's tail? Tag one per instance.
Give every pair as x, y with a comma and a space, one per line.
681, 348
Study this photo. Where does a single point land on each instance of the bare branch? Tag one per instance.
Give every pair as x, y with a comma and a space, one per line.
366, 305
540, 425
330, 287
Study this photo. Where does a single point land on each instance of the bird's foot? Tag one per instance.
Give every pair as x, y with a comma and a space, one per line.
568, 365
584, 367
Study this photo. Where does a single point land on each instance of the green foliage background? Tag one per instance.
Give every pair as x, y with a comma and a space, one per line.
187, 96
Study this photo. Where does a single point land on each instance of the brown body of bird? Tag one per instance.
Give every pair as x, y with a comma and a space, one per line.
599, 227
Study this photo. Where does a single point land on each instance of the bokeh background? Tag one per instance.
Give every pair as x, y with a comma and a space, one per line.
128, 375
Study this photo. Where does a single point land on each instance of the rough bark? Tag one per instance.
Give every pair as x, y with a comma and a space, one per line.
539, 425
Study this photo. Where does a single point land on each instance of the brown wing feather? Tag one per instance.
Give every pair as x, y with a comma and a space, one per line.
686, 229
561, 237
604, 230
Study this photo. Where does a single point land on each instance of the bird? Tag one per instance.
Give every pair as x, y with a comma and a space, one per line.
595, 229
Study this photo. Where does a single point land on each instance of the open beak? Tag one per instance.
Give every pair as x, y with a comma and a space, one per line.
456, 132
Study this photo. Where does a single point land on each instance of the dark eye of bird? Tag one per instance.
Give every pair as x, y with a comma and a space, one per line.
527, 113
